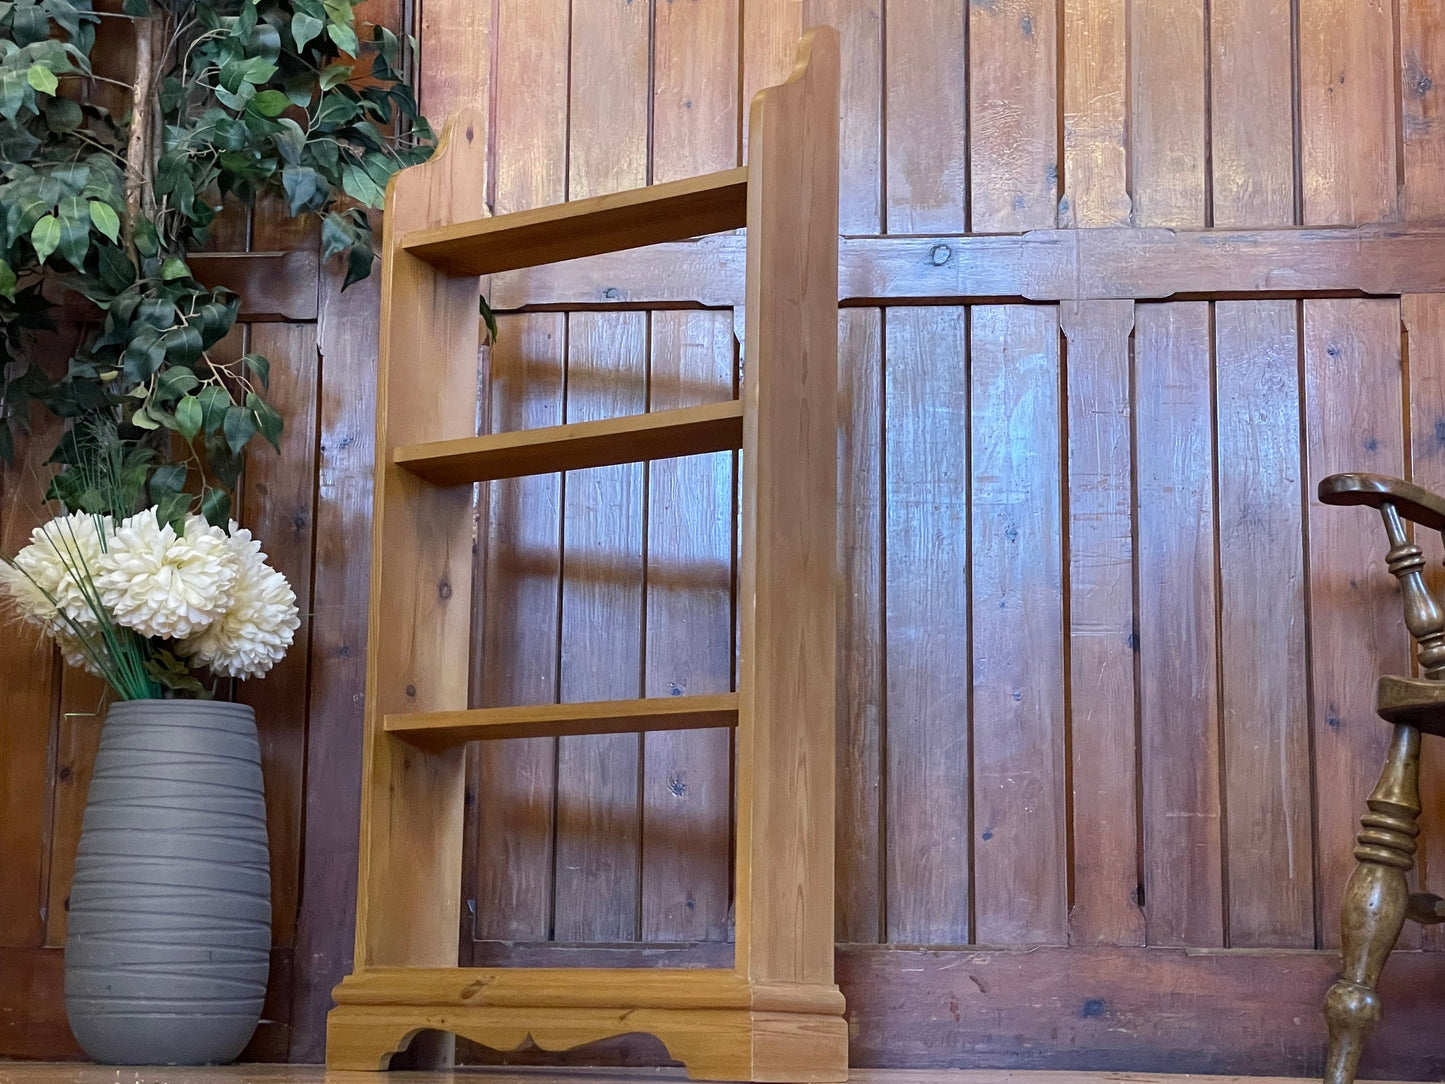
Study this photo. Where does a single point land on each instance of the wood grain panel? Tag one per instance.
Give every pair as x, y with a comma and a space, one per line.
1113, 1011
925, 95
687, 779
1103, 735
1040, 265
860, 825
1352, 423
346, 420
1422, 96
1095, 111
1013, 115
1424, 321
597, 844
1178, 661
278, 500
1167, 121
598, 812
83, 701
1019, 794
514, 781
770, 33
860, 165
926, 577
29, 670
1263, 696
1347, 72
1251, 112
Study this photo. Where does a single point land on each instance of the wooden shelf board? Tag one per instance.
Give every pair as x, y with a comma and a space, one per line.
673, 211
663, 434
561, 720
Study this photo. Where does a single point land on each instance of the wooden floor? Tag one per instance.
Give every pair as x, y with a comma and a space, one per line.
85, 1073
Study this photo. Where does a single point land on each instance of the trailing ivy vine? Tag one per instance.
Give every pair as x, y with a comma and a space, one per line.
101, 211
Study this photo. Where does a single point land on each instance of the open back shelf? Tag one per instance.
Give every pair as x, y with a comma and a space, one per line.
715, 427
776, 1013
564, 720
587, 227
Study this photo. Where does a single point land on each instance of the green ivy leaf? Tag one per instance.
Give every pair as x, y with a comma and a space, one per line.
267, 420
45, 237
216, 507
335, 74
7, 281
105, 220
188, 416
141, 419
270, 103
344, 37
175, 382
174, 268
42, 79
239, 427
303, 28
12, 94
259, 367
214, 401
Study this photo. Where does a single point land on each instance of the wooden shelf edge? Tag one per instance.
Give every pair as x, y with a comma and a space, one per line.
674, 211
582, 987
564, 720
663, 434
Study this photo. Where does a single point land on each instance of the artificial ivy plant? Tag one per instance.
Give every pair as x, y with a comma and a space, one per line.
230, 98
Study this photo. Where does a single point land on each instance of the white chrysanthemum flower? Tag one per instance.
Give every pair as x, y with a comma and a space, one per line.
253, 635
163, 584
49, 573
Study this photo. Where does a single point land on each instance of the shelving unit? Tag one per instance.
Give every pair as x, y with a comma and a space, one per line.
776, 1015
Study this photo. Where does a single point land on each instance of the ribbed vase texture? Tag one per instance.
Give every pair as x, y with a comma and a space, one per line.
170, 911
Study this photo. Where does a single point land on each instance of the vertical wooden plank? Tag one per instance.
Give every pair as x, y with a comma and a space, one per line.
1264, 695
1166, 54
598, 846
1013, 115
926, 586
694, 88
770, 33
1020, 868
1352, 423
82, 710
925, 95
860, 160
1251, 117
1347, 71
346, 419
1424, 318
454, 68
687, 778
1422, 94
278, 503
1178, 664
28, 672
1095, 108
1102, 639
860, 873
687, 811
598, 813
515, 781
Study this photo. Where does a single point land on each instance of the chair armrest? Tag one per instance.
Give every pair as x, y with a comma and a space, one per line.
1374, 490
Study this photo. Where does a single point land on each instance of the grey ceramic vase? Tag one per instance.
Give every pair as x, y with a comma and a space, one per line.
170, 912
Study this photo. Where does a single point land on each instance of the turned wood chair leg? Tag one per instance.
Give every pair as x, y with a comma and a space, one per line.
1375, 904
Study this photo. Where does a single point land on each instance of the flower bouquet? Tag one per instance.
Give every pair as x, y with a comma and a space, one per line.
151, 606
168, 947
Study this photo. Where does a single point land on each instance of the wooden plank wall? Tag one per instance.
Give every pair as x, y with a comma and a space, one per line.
1106, 668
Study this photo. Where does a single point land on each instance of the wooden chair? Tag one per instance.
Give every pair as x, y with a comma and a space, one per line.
1377, 899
